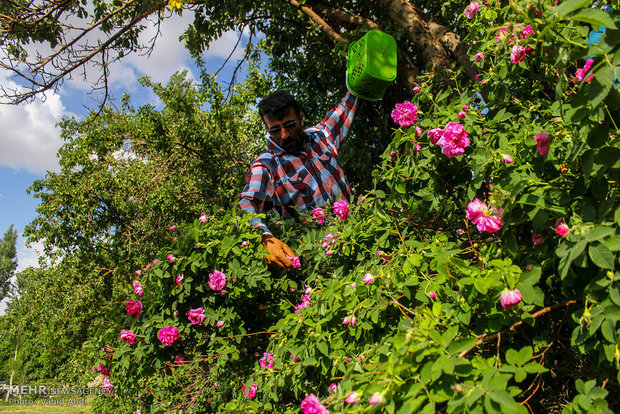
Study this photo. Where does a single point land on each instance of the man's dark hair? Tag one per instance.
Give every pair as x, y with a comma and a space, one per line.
276, 105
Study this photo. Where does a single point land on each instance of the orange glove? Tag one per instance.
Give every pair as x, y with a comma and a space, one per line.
277, 251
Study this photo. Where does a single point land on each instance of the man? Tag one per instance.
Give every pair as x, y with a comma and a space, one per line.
299, 168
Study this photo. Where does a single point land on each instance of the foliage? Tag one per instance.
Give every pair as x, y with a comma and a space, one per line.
428, 333
8, 260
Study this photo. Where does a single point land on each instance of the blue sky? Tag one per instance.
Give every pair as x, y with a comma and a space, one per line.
29, 139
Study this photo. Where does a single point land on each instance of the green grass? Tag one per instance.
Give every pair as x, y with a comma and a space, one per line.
39, 407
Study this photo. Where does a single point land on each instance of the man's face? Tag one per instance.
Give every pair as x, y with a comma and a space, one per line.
287, 132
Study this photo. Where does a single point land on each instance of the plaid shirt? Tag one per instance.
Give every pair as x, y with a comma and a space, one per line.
280, 181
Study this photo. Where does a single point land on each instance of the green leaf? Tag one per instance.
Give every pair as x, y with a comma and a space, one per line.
608, 330
323, 348
601, 256
600, 232
570, 6
595, 17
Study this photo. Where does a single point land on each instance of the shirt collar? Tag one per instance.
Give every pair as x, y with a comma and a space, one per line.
275, 149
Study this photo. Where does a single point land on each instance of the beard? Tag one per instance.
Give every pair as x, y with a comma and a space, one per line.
295, 144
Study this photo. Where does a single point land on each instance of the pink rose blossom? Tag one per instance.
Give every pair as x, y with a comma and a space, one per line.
368, 278
295, 261
353, 284
416, 89
478, 57
329, 252
174, 239
349, 321
341, 208
133, 307
561, 228
312, 405
392, 154
507, 159
543, 142
128, 337
376, 398
219, 324
308, 290
462, 114
138, 272
465, 108
485, 218
172, 228
405, 114
454, 140
418, 131
179, 279
202, 218
244, 243
526, 32
137, 288
155, 261
434, 135
168, 335
352, 398
537, 239
170, 258
196, 316
251, 392
580, 74
103, 370
217, 280
509, 298
432, 294
418, 147
266, 361
472, 9
319, 215
333, 388
107, 385
517, 54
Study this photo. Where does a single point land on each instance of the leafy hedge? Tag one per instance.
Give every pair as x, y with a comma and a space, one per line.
413, 308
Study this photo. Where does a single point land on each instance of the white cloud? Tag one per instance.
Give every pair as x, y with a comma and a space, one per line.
29, 137
28, 256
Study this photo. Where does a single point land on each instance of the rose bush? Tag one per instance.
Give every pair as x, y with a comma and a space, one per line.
447, 317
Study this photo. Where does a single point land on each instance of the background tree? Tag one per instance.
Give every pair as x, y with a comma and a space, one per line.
8, 260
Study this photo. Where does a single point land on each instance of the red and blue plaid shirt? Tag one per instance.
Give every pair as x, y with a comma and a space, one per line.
282, 182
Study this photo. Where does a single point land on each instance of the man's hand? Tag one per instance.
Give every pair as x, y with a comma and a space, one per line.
277, 252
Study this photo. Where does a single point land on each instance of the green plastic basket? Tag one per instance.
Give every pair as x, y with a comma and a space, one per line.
371, 65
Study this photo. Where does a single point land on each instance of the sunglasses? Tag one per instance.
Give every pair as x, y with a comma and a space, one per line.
275, 131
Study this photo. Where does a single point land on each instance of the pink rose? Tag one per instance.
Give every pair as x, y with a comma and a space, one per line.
244, 243
295, 261
196, 316
107, 385
137, 288
392, 154
312, 405
509, 298
537, 239
405, 114
507, 159
485, 218
170, 258
517, 54
128, 337
478, 57
472, 9
352, 398
580, 74
217, 280
202, 218
133, 307
318, 214
251, 392
219, 324
432, 294
454, 140
103, 370
138, 272
172, 228
376, 398
168, 335
561, 228
543, 142
434, 135
462, 114
333, 388
341, 208
368, 278
179, 279
155, 261
266, 361
416, 89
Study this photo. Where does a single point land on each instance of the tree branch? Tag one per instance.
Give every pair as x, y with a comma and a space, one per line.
319, 21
